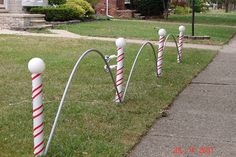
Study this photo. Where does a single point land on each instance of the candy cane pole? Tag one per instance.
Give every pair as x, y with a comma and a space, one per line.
180, 44
120, 43
36, 66
162, 33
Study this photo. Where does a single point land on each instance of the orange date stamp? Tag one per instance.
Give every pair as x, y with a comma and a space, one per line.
203, 150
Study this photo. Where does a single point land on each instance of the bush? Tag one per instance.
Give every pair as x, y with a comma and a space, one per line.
181, 3
71, 10
55, 14
199, 5
150, 7
93, 2
182, 10
56, 2
81, 7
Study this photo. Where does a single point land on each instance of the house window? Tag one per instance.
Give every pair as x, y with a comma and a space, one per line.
127, 1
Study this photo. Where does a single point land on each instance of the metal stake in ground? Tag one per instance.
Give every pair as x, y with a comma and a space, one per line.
120, 43
162, 34
180, 44
36, 66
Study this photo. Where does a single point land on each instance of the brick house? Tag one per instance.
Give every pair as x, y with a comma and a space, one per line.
114, 8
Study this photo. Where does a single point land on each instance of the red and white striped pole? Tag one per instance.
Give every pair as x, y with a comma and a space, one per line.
120, 43
162, 34
36, 66
180, 44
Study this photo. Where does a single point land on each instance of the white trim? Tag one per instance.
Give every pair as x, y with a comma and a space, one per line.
5, 3
107, 9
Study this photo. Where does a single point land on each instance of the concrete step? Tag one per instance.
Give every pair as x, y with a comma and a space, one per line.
139, 16
37, 22
39, 26
3, 10
142, 17
37, 18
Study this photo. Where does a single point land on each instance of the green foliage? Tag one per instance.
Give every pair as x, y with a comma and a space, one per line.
93, 2
199, 5
179, 3
181, 10
71, 10
56, 2
55, 14
150, 7
80, 7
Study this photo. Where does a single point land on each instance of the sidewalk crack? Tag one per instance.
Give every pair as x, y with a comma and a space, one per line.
217, 84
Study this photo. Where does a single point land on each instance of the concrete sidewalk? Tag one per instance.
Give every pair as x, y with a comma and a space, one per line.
202, 119
65, 34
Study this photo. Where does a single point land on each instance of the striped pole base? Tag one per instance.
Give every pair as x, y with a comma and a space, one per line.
120, 43
36, 67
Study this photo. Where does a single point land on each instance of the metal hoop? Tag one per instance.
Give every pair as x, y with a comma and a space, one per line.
67, 87
134, 64
167, 37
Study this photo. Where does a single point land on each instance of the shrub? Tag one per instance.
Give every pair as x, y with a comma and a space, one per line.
93, 2
179, 3
55, 14
150, 7
71, 10
77, 9
56, 2
182, 10
81, 7
199, 5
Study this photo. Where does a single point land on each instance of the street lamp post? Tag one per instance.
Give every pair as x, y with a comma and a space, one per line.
193, 16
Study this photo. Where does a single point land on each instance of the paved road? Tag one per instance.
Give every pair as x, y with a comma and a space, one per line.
202, 120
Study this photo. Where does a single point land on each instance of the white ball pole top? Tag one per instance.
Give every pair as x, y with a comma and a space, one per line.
162, 32
120, 42
36, 65
181, 28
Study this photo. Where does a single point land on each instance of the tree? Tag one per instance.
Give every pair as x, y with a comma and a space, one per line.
225, 2
149, 7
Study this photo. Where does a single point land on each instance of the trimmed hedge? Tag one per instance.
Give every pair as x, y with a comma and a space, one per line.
71, 10
81, 7
182, 10
56, 14
56, 2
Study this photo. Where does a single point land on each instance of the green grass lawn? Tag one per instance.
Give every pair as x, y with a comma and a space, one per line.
211, 18
91, 124
145, 30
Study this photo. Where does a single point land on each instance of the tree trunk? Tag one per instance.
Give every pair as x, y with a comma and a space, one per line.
226, 6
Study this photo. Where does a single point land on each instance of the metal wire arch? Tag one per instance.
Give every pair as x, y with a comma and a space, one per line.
67, 88
167, 37
134, 64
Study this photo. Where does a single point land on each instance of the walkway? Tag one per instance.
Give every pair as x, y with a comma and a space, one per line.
202, 119
66, 34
